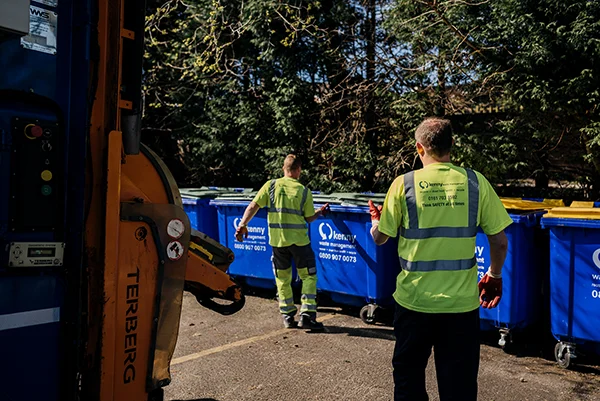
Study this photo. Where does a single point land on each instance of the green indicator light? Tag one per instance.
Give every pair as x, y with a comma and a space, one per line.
46, 190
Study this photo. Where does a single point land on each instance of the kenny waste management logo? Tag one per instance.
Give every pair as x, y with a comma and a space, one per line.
423, 184
254, 230
327, 232
596, 258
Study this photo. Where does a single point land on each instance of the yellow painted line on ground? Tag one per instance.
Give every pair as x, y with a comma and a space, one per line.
246, 341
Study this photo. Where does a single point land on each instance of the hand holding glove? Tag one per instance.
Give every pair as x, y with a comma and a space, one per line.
490, 291
241, 232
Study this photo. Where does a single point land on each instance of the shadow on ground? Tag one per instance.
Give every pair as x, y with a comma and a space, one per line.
535, 341
379, 333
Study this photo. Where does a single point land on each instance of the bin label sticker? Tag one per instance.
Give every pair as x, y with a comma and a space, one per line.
596, 276
336, 246
480, 254
175, 228
596, 258
256, 241
175, 250
42, 31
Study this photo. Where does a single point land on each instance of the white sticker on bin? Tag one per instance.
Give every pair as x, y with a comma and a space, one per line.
257, 238
336, 246
596, 258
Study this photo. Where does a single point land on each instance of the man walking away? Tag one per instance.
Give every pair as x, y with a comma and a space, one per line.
290, 209
436, 212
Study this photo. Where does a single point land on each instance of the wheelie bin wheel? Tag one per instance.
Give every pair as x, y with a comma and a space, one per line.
367, 313
505, 340
563, 354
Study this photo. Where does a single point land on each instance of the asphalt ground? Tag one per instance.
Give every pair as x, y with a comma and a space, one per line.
250, 356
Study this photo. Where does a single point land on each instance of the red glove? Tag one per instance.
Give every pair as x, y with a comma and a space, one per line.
374, 211
324, 209
242, 231
490, 291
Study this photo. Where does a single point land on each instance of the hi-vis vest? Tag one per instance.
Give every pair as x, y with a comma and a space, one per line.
287, 201
464, 228
436, 213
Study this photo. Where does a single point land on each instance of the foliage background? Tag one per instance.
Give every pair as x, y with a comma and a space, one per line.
232, 86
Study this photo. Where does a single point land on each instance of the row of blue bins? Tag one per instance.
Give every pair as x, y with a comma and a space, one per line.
562, 245
351, 269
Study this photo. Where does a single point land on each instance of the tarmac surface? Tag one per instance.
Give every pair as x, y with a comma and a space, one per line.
250, 356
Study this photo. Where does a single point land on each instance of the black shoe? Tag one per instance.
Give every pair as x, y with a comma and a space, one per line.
289, 322
310, 323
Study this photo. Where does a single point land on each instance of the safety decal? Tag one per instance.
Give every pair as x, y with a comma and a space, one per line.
175, 228
42, 31
175, 250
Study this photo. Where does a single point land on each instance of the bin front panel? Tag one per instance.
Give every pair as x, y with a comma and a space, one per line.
203, 216
253, 256
560, 280
189, 205
349, 262
575, 282
521, 287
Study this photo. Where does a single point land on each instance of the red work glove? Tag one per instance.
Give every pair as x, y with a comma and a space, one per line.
242, 231
324, 209
490, 291
374, 211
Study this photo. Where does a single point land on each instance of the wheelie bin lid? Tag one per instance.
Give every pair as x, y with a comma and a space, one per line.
525, 205
197, 193
234, 199
584, 204
324, 198
573, 216
231, 189
360, 199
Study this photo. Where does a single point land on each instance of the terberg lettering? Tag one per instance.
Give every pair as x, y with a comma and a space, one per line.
131, 323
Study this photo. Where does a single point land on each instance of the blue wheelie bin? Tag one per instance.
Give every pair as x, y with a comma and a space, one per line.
351, 268
523, 271
203, 216
252, 264
574, 280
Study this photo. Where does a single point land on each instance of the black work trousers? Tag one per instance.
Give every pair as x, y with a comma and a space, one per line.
454, 338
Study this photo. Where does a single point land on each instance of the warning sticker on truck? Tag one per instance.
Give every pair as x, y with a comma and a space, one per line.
42, 31
51, 3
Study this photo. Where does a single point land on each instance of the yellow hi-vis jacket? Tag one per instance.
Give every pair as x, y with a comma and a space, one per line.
436, 211
289, 203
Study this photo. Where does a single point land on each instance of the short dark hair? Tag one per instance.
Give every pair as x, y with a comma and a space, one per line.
435, 134
292, 163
